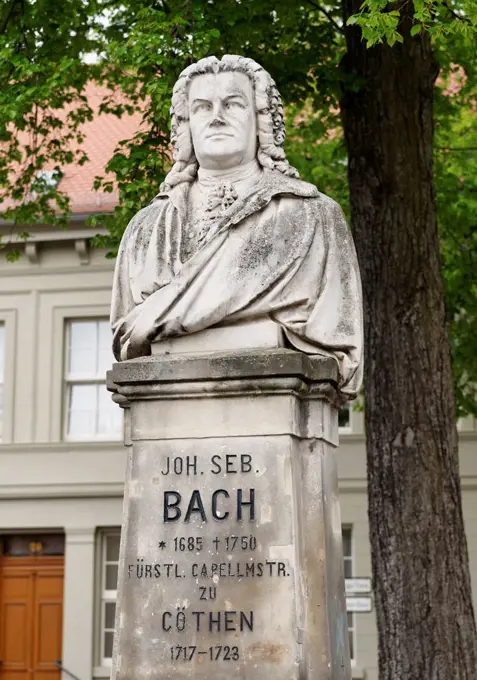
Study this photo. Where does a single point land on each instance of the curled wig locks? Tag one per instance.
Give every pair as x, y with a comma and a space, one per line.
269, 110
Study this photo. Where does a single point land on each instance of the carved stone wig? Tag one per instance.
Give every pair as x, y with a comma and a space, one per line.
268, 106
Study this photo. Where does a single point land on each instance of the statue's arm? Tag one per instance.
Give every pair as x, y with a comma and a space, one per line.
334, 323
122, 303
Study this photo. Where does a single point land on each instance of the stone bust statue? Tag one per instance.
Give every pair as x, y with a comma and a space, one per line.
234, 235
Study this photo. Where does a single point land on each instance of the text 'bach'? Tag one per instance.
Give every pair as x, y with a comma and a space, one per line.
221, 506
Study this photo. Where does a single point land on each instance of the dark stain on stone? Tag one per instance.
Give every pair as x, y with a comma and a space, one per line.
265, 651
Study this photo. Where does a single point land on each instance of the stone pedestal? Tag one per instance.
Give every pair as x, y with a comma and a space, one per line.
231, 558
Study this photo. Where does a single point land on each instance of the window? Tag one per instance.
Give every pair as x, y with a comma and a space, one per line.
347, 535
90, 412
344, 418
109, 577
2, 364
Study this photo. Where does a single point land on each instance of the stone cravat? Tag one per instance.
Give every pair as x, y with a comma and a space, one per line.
214, 194
219, 199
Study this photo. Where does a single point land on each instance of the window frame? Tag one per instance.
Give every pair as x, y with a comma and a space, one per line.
356, 418
69, 380
8, 320
105, 596
346, 429
2, 374
350, 559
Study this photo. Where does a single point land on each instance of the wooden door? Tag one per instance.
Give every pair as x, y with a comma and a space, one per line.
31, 613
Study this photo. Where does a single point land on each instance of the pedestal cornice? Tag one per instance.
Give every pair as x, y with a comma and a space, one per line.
228, 373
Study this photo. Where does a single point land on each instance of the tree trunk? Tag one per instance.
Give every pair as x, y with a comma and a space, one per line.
421, 581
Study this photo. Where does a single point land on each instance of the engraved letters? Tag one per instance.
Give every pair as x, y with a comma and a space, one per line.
220, 509
208, 540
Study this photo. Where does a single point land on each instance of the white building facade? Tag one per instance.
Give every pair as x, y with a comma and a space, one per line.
62, 467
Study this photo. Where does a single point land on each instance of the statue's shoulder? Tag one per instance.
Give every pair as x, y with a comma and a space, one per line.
292, 186
145, 218
152, 210
138, 233
328, 203
281, 184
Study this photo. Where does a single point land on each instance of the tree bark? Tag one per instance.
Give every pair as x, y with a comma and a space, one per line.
426, 627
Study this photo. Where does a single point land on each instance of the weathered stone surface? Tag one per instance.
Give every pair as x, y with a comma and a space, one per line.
231, 556
239, 336
226, 365
235, 237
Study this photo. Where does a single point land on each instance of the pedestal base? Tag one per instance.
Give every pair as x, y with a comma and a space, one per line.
231, 559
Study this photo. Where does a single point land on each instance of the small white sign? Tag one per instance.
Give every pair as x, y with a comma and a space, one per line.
359, 604
355, 586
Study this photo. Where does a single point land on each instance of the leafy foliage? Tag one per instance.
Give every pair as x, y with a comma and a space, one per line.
381, 20
42, 104
456, 193
49, 51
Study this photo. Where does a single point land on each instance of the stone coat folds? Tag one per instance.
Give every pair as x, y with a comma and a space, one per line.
282, 251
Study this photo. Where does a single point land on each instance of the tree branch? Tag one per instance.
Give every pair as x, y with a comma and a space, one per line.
455, 15
327, 15
456, 148
8, 17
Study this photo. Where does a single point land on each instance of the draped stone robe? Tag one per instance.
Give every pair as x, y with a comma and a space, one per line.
283, 251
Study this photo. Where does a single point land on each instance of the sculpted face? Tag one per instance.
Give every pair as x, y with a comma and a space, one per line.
223, 120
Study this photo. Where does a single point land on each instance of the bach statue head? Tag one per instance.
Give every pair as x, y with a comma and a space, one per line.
226, 113
234, 236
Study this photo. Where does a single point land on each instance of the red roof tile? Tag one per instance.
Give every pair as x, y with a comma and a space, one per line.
101, 137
